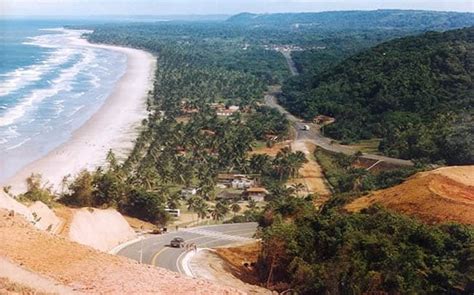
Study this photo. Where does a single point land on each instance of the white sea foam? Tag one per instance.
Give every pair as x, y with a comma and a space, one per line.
94, 80
61, 83
64, 50
19, 144
77, 109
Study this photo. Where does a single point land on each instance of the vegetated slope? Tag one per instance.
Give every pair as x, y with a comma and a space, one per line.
374, 251
360, 19
87, 270
442, 195
329, 37
415, 92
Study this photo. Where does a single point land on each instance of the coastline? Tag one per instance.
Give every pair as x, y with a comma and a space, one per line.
113, 127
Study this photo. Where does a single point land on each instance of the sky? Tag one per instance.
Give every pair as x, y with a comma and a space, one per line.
187, 7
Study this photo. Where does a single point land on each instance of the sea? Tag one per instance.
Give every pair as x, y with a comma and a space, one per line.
50, 85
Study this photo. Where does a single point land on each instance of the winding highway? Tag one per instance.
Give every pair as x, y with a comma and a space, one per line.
156, 251
314, 134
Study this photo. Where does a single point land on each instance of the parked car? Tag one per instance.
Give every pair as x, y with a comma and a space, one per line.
177, 242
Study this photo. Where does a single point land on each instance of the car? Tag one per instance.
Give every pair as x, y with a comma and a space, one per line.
177, 242
305, 127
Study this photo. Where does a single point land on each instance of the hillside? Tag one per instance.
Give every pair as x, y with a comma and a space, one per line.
415, 92
401, 19
60, 262
442, 195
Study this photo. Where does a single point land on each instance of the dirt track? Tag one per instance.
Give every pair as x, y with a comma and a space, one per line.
311, 174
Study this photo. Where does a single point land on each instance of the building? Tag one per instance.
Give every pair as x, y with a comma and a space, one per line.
257, 194
323, 120
237, 181
242, 183
225, 112
189, 192
229, 196
234, 108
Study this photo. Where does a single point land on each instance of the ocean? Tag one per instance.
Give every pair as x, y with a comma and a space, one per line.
49, 86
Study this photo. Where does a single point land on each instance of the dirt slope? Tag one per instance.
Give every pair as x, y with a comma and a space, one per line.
99, 229
8, 203
87, 270
441, 195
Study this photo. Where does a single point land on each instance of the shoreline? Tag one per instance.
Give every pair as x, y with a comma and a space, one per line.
113, 127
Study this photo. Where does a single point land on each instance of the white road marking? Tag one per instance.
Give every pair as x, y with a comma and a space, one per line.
216, 234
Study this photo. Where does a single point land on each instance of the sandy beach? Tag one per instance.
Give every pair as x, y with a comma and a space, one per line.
114, 127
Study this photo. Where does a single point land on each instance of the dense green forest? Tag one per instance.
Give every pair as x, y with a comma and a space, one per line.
358, 20
415, 92
332, 252
202, 44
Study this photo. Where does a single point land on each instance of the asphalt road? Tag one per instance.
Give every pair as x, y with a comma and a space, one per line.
314, 135
156, 250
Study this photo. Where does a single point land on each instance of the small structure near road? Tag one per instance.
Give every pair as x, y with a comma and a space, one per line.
323, 120
257, 194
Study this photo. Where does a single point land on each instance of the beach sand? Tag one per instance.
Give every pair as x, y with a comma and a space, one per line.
114, 126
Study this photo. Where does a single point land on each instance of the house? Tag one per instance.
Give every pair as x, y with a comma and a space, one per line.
229, 196
208, 132
257, 194
234, 108
225, 112
226, 179
237, 181
189, 192
323, 120
242, 183
189, 111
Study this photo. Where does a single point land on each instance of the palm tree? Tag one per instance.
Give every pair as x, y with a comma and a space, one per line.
174, 201
223, 207
252, 204
191, 204
235, 207
298, 187
201, 209
217, 213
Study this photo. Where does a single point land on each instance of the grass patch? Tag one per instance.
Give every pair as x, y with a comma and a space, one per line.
369, 146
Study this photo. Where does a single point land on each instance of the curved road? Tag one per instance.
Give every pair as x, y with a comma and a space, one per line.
156, 250
314, 135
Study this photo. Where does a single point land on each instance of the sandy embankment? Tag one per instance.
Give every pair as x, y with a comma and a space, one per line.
50, 259
99, 229
114, 126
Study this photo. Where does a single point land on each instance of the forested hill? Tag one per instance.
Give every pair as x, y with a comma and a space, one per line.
382, 19
415, 92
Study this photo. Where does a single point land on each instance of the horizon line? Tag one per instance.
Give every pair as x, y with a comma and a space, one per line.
224, 14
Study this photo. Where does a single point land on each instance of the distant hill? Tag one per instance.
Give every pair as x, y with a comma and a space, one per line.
402, 19
415, 92
442, 195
